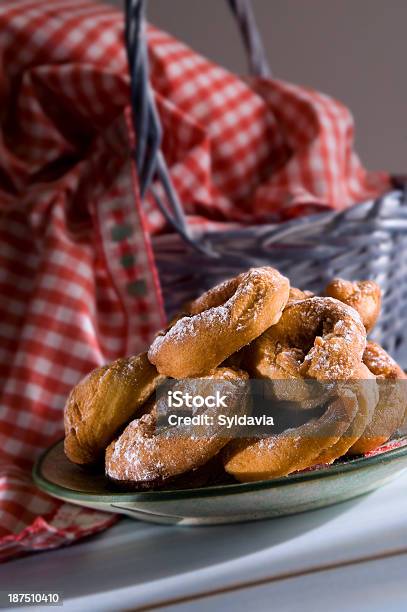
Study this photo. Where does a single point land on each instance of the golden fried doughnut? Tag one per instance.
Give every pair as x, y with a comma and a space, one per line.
316, 338
380, 363
102, 402
221, 322
208, 475
364, 385
364, 296
143, 455
391, 409
297, 295
237, 359
294, 449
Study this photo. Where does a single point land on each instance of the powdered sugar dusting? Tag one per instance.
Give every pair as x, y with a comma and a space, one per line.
187, 327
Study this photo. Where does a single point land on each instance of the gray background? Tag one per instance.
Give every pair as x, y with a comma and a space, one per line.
354, 50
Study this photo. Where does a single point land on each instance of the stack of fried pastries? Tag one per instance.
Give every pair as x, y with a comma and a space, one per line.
310, 351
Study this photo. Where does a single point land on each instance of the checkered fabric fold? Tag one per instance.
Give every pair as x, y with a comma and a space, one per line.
78, 286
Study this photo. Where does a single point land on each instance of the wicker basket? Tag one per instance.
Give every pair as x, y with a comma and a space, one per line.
368, 240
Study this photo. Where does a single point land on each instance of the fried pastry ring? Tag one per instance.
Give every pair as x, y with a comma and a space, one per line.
293, 449
296, 295
391, 409
364, 385
364, 296
221, 321
316, 338
144, 456
102, 402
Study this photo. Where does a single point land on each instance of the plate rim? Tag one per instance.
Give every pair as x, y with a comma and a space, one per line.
359, 463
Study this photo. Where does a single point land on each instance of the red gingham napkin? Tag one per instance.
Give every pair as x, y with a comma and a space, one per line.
78, 286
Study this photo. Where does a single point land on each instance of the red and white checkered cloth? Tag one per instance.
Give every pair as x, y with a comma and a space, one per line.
78, 286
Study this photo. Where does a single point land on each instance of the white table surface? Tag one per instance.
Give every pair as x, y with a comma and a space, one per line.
134, 564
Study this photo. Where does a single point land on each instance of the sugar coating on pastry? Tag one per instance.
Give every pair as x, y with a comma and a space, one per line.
381, 363
391, 410
318, 338
294, 449
102, 402
364, 296
145, 454
363, 384
221, 322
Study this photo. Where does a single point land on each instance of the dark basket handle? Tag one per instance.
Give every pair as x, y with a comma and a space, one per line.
149, 159
256, 55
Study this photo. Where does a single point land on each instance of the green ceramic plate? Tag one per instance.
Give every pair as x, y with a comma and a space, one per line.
229, 503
